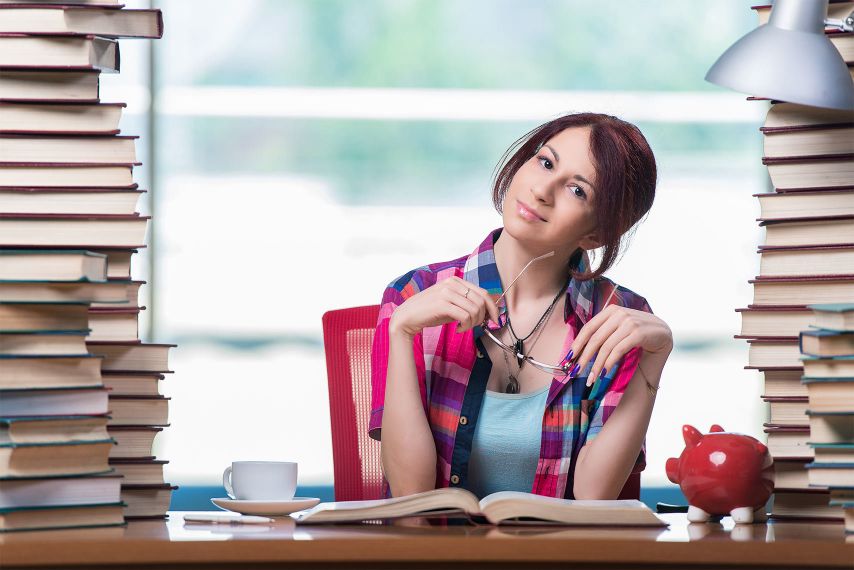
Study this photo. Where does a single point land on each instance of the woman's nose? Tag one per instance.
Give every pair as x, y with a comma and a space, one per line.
542, 192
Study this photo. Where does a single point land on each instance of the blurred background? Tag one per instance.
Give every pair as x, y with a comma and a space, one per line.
300, 154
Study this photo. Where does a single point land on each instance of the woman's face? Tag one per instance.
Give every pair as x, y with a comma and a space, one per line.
549, 201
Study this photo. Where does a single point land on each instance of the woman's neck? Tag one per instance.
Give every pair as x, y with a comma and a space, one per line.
541, 280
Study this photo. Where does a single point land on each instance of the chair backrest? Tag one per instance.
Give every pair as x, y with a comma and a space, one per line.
631, 490
347, 338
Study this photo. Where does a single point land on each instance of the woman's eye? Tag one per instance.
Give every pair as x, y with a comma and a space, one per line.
578, 191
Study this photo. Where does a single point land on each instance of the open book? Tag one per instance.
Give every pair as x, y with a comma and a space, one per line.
505, 507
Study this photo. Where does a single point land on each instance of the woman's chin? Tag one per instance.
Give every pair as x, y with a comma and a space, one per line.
519, 227
524, 233
533, 237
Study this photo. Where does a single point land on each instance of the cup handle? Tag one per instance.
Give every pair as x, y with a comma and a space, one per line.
226, 482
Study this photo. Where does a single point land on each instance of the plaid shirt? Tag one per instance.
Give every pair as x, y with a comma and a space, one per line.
452, 373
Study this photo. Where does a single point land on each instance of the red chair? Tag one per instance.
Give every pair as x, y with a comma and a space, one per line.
347, 337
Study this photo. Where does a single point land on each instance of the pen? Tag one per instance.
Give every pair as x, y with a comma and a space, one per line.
230, 520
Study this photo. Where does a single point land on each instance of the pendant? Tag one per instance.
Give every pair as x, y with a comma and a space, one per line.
520, 360
512, 386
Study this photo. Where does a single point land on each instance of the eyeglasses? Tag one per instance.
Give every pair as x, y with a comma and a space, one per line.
561, 371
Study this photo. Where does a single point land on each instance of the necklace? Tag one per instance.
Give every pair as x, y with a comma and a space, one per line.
518, 343
512, 381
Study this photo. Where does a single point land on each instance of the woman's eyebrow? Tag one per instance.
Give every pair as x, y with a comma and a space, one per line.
557, 159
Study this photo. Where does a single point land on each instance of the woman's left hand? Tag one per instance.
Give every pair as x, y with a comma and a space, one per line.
615, 331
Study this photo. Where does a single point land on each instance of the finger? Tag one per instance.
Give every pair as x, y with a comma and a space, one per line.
459, 285
588, 329
458, 293
460, 289
596, 340
460, 281
622, 348
606, 353
456, 313
467, 321
470, 307
489, 306
464, 288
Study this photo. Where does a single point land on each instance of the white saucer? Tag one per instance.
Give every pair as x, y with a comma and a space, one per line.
265, 508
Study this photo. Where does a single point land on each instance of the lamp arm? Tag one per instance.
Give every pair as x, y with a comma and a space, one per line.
846, 25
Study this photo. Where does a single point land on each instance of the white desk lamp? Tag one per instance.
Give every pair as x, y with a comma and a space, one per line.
790, 58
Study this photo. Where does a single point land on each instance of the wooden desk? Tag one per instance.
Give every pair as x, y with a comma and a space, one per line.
171, 544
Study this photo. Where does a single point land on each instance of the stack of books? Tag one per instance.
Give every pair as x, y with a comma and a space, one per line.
807, 258
132, 372
54, 444
828, 357
69, 227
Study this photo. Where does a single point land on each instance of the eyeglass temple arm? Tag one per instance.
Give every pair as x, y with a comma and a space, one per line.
544, 256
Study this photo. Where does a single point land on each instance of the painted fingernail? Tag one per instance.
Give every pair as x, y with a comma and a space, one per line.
569, 356
576, 369
602, 373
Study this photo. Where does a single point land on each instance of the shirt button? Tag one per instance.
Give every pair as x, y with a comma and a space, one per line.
455, 479
463, 420
479, 353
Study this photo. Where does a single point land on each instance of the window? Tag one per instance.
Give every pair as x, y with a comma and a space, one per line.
299, 143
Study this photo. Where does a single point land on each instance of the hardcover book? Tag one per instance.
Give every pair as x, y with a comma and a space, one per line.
506, 507
81, 20
55, 52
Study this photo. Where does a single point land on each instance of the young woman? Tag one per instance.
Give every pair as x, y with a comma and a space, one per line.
546, 386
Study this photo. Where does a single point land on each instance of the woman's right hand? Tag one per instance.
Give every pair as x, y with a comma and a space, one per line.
444, 302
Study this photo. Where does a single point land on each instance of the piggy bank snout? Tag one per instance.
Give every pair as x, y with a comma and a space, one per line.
672, 468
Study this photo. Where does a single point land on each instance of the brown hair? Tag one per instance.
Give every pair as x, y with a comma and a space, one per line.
625, 178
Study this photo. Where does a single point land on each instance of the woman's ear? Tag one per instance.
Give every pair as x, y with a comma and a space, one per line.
589, 242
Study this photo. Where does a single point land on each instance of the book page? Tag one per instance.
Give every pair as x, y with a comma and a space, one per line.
434, 502
503, 506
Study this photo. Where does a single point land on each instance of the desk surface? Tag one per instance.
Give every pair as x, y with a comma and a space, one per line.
171, 543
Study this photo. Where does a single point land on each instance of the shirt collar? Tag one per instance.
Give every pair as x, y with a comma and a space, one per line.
481, 270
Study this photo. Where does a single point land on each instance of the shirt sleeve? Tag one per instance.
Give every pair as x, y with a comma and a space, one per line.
392, 298
621, 375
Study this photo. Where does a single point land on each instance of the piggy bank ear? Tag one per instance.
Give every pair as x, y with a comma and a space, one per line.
691, 435
716, 428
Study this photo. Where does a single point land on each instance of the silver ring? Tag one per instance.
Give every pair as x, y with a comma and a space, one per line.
467, 293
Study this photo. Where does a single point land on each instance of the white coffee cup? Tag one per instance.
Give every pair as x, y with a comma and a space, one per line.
260, 480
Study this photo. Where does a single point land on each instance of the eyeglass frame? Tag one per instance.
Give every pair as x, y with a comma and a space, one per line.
554, 370
564, 369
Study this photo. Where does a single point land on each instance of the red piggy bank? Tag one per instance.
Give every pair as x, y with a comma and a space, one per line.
723, 474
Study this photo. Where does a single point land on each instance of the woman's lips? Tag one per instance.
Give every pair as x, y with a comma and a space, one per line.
527, 213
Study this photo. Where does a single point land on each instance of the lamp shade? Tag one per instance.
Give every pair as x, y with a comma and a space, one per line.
789, 59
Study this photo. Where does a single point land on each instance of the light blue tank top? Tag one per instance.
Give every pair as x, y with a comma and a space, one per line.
506, 443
